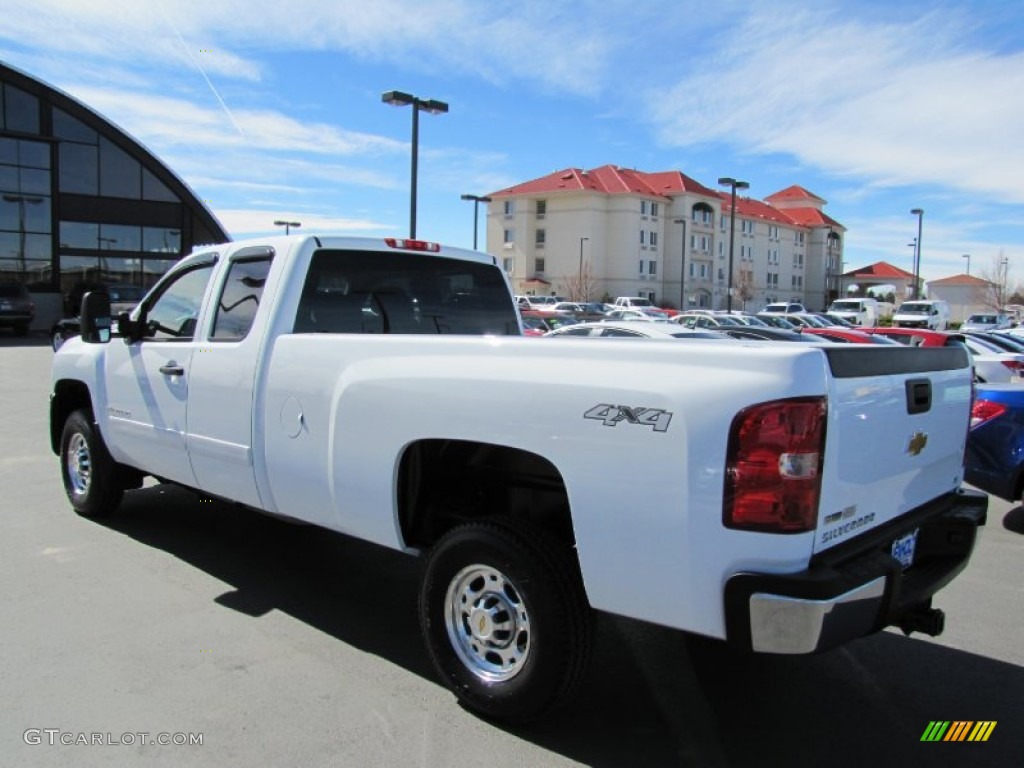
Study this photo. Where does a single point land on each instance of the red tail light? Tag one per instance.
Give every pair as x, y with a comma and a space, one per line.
1014, 365
412, 245
773, 466
985, 410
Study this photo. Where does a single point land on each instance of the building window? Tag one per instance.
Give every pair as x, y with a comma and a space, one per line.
540, 237
509, 264
746, 226
652, 267
509, 236
654, 211
773, 232
654, 239
643, 207
20, 110
510, 209
641, 267
799, 237
642, 236
542, 208
538, 266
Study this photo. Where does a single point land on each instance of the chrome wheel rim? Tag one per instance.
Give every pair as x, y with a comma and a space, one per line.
79, 463
488, 623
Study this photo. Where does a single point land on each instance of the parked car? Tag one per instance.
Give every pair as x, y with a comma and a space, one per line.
987, 321
777, 320
536, 323
861, 311
581, 310
993, 364
994, 459
746, 318
636, 329
917, 337
768, 333
650, 315
692, 320
123, 298
933, 314
17, 310
784, 307
847, 335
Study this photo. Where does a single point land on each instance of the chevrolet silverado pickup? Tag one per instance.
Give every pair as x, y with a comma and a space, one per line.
783, 498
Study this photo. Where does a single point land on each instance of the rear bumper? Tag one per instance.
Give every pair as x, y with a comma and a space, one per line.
857, 588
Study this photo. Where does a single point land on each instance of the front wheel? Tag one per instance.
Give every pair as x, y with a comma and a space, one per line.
505, 618
90, 475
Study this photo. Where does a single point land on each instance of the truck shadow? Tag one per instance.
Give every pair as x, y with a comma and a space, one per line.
654, 696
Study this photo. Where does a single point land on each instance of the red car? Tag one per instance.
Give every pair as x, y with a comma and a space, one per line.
843, 335
917, 337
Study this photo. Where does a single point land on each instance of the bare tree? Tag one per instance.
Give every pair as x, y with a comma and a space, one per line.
744, 287
581, 286
994, 295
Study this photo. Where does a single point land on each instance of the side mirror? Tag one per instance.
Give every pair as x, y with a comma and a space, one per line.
127, 328
95, 317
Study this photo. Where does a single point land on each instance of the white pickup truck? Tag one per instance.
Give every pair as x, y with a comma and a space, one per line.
785, 498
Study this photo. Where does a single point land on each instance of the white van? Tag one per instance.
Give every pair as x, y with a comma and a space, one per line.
856, 311
933, 314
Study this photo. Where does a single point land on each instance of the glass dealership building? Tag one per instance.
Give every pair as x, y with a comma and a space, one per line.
81, 202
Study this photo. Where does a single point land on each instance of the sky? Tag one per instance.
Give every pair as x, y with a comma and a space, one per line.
272, 110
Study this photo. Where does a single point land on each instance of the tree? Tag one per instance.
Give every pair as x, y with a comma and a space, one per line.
582, 285
743, 287
994, 294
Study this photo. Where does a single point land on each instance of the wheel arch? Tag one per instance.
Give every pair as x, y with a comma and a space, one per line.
443, 483
68, 396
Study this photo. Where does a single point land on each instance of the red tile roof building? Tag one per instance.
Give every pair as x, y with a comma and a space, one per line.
613, 231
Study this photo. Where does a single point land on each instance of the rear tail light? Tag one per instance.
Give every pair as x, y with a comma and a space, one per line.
1014, 365
985, 410
773, 466
412, 245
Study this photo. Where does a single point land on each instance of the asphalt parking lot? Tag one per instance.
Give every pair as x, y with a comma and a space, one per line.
281, 644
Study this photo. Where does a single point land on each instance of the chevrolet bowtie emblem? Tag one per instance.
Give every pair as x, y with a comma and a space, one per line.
917, 443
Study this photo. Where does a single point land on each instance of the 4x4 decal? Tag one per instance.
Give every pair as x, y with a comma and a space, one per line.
612, 415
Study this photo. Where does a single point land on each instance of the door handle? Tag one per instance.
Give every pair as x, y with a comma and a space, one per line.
172, 369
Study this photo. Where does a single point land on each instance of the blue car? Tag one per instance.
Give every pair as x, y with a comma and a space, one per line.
994, 460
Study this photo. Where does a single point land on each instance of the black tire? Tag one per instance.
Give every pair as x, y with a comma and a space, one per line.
505, 618
92, 479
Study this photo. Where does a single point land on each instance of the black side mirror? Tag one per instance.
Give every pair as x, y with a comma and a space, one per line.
128, 328
95, 317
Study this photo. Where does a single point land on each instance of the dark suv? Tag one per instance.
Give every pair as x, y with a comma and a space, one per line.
17, 310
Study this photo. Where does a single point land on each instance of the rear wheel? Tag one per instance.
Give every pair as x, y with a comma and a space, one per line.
92, 479
505, 618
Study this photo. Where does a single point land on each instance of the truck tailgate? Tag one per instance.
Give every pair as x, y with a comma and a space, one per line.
897, 427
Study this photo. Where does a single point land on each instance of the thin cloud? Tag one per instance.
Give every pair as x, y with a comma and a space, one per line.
893, 104
243, 223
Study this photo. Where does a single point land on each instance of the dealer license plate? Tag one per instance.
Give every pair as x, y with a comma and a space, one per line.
903, 549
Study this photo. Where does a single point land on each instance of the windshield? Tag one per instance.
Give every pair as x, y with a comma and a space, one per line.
845, 306
910, 308
986, 319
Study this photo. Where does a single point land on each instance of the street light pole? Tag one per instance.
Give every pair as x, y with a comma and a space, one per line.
968, 257
734, 184
434, 107
682, 268
477, 199
585, 294
288, 225
919, 212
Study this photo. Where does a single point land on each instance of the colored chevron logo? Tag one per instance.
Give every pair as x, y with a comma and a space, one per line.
958, 730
